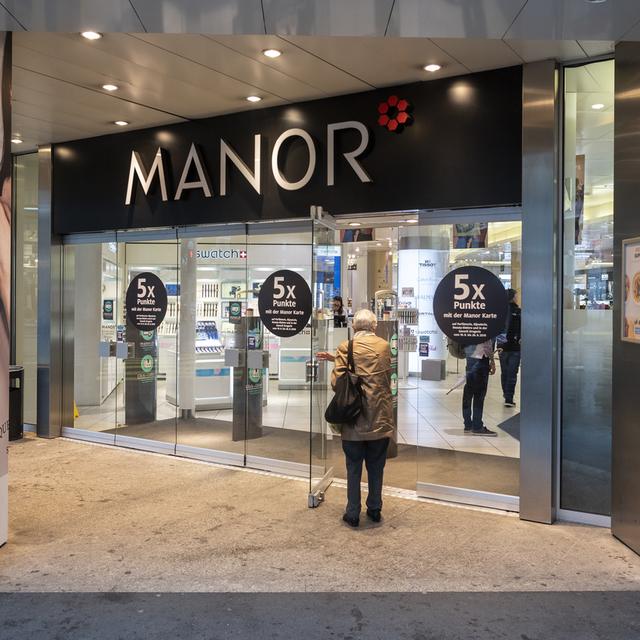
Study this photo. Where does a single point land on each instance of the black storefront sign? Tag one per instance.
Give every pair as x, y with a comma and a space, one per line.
285, 303
470, 305
146, 301
461, 147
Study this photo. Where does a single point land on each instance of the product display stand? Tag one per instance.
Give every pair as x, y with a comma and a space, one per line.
141, 376
248, 380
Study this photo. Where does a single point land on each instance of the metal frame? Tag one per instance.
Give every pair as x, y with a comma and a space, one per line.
468, 496
539, 378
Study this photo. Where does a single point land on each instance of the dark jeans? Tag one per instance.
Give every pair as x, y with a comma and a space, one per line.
374, 454
509, 365
475, 389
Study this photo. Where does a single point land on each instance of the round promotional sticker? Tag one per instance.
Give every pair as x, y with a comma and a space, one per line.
470, 305
146, 364
284, 303
146, 301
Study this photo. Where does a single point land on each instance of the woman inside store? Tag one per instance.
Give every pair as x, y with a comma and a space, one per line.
339, 313
368, 439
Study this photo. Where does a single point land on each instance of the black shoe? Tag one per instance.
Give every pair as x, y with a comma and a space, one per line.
352, 522
468, 429
509, 403
485, 432
374, 514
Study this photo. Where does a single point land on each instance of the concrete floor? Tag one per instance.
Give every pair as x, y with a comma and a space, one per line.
93, 518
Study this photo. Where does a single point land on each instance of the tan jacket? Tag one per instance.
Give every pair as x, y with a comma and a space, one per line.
372, 359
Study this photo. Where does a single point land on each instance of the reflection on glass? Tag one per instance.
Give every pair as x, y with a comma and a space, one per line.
587, 288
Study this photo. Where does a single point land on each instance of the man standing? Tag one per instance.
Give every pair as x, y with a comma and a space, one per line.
509, 350
480, 365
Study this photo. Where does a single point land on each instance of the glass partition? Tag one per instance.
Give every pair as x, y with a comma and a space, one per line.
454, 458
587, 292
25, 320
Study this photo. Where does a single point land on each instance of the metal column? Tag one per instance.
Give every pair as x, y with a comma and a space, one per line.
540, 224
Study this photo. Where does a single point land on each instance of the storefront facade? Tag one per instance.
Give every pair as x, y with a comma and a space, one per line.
212, 207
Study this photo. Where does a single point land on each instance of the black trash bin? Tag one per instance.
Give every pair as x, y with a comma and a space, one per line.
16, 402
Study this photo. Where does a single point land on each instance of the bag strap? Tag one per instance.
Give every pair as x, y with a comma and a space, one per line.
350, 363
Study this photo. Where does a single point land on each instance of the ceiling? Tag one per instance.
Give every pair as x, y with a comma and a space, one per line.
167, 78
175, 60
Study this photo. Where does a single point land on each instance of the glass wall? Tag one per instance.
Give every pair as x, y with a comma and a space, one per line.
587, 294
25, 310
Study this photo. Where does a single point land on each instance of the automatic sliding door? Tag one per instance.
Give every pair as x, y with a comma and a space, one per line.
148, 346
278, 393
457, 463
210, 392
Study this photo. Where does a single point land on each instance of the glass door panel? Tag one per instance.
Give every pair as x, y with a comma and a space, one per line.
327, 334
147, 359
277, 429
211, 391
455, 463
92, 270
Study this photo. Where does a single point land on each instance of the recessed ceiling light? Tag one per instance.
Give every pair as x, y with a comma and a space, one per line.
432, 68
272, 53
597, 106
354, 224
378, 244
110, 87
16, 140
358, 249
91, 35
596, 1
121, 123
254, 98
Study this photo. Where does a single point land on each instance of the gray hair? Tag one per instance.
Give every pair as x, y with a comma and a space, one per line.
364, 320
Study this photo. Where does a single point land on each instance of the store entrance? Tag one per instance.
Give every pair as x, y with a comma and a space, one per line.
392, 264
211, 382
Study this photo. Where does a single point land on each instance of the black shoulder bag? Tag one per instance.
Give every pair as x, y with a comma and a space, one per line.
346, 404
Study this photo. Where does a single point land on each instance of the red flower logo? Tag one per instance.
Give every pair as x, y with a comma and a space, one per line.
395, 114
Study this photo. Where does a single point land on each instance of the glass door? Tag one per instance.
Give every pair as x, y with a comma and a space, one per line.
468, 436
326, 335
147, 356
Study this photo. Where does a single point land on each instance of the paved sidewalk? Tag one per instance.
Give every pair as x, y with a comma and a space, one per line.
92, 518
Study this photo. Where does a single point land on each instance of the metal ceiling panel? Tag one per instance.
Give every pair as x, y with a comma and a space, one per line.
477, 54
75, 15
145, 73
201, 16
250, 70
575, 20
296, 62
532, 50
8, 22
453, 19
597, 47
382, 61
327, 17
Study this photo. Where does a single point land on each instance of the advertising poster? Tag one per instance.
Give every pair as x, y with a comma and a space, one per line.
470, 305
285, 303
5, 278
631, 280
356, 235
470, 236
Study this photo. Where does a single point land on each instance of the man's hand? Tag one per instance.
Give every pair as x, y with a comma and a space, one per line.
492, 366
325, 355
